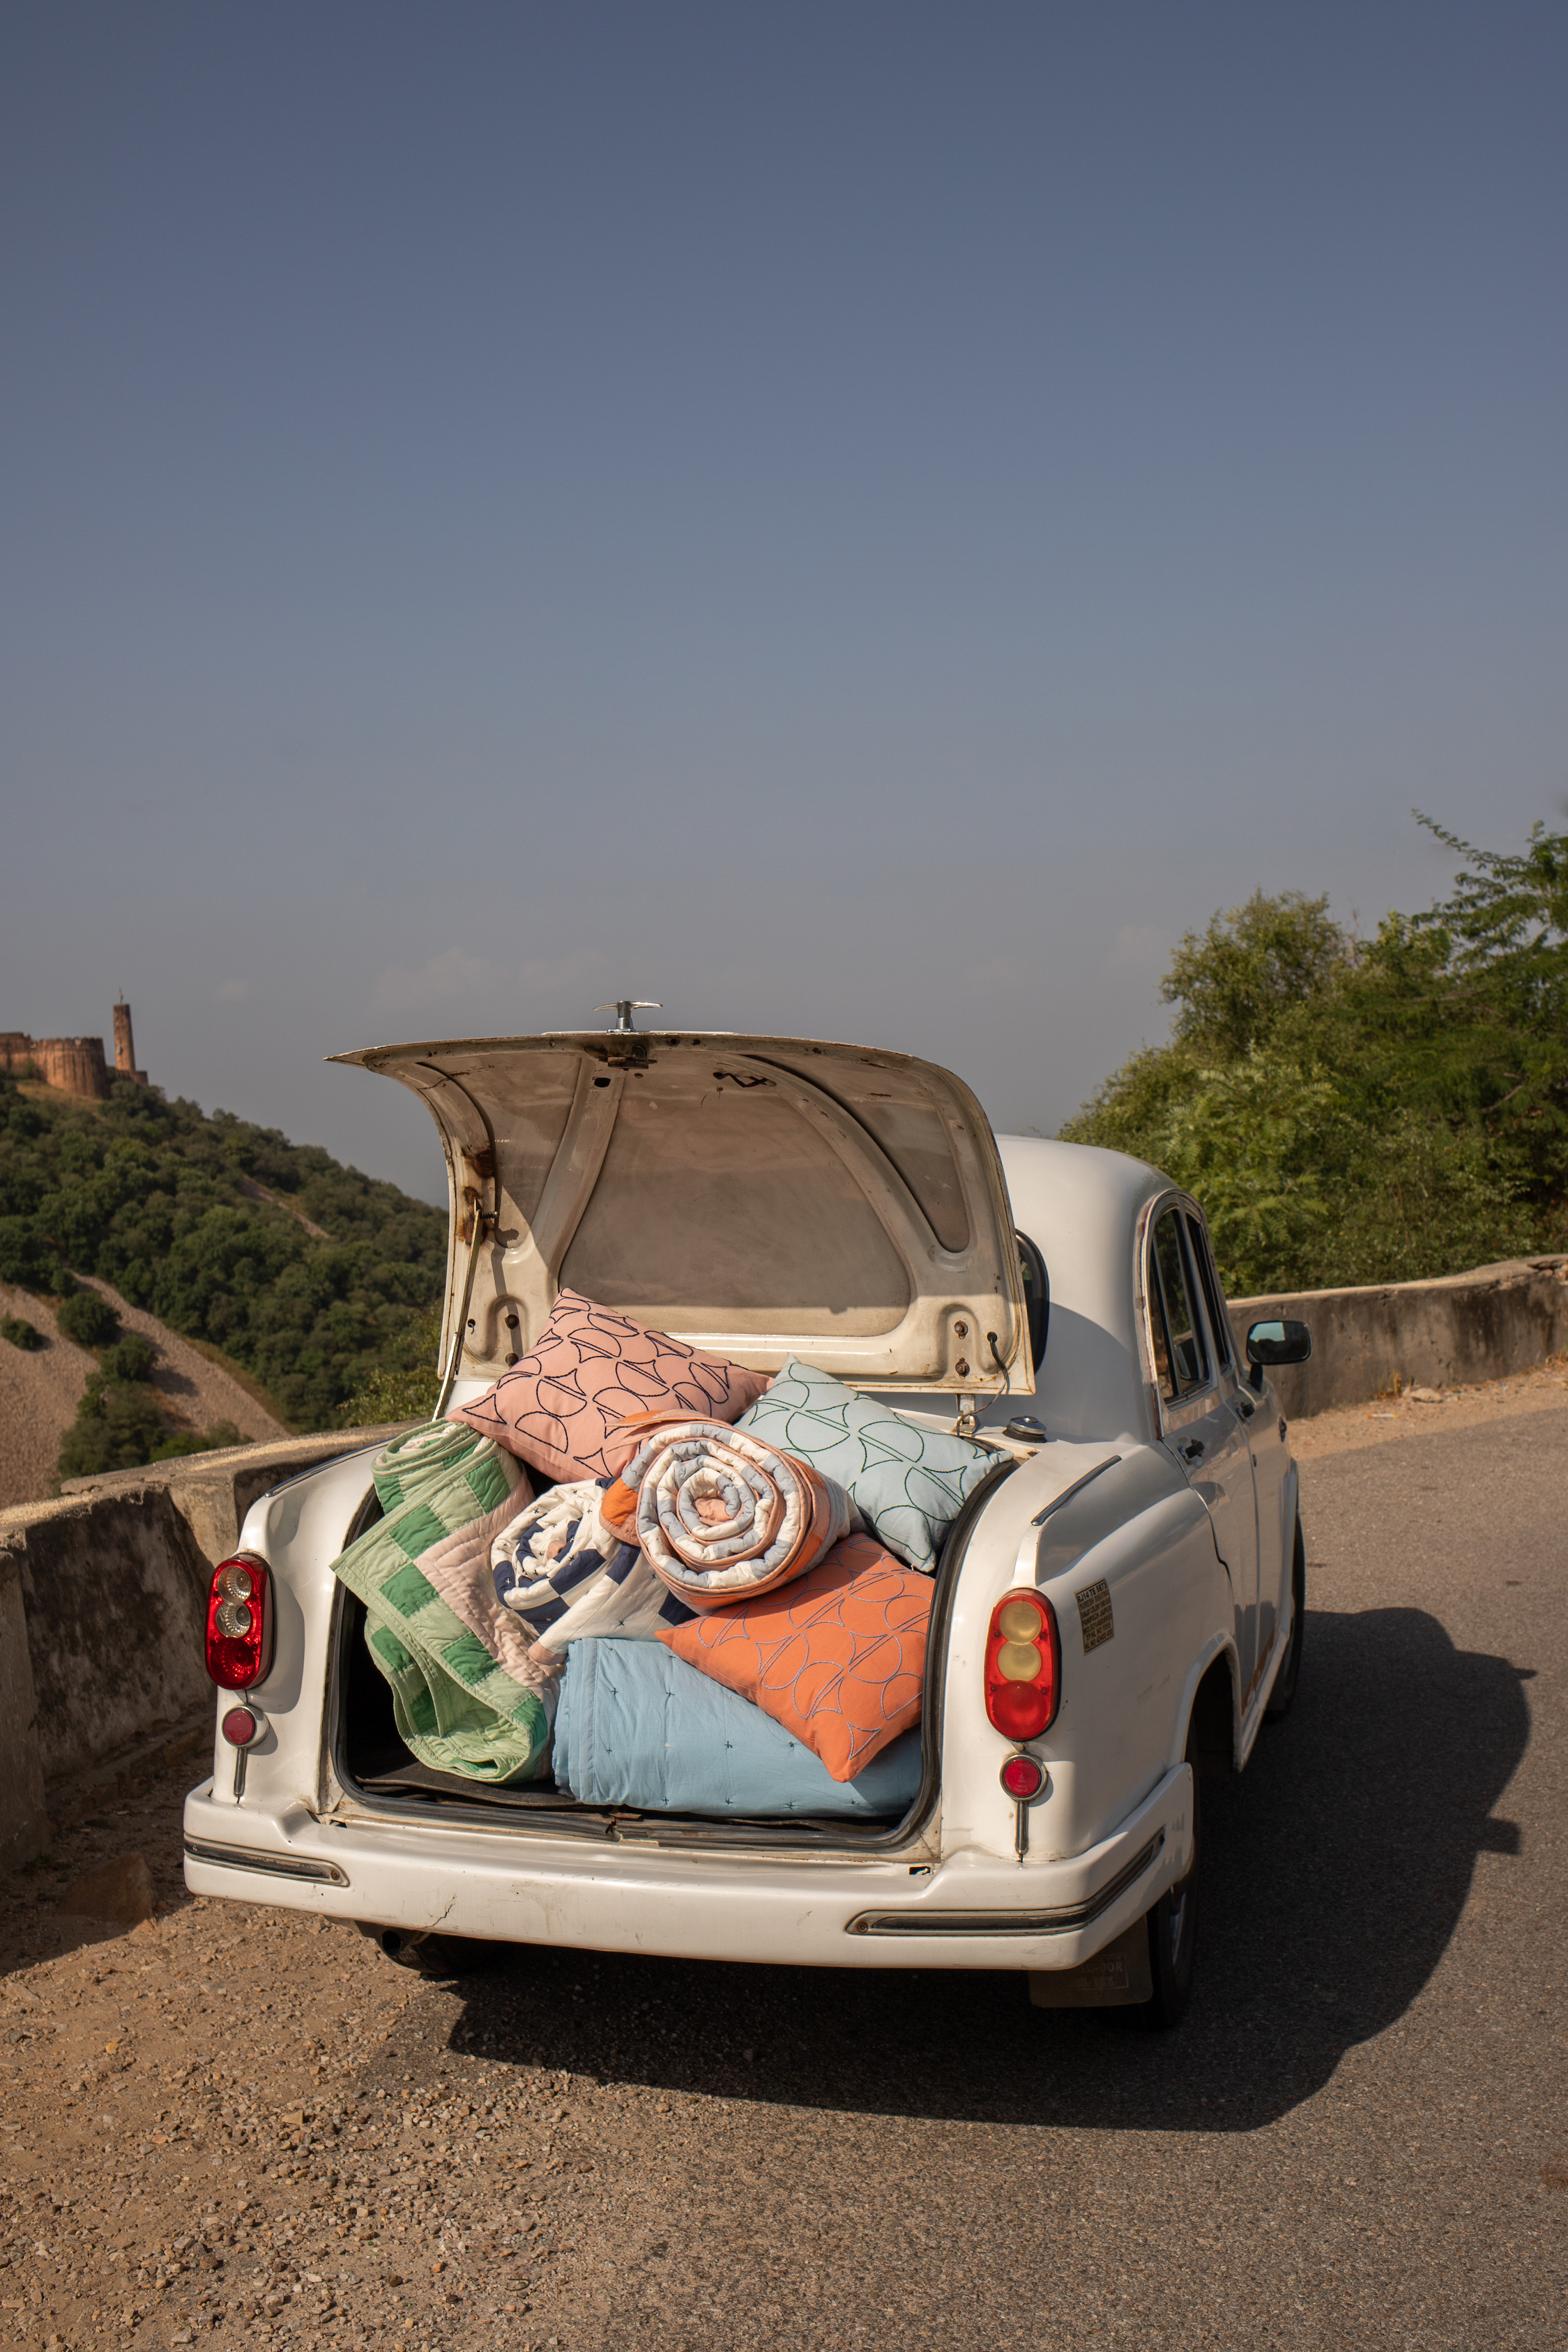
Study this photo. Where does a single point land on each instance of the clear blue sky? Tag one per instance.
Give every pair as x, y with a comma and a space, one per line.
868, 519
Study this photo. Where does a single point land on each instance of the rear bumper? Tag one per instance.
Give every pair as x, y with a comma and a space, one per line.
973, 1911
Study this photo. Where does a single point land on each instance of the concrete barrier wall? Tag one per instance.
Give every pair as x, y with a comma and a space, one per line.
102, 1612
23, 1831
1480, 1326
113, 1591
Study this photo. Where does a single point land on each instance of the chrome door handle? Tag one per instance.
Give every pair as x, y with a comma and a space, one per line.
1192, 1449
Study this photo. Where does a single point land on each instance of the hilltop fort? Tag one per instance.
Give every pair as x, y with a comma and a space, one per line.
74, 1065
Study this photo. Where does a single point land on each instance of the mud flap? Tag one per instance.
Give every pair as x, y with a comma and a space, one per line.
1112, 1980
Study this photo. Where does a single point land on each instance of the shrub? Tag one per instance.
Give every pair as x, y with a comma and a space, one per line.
24, 1259
20, 1333
118, 1426
208, 1441
87, 1320
132, 1358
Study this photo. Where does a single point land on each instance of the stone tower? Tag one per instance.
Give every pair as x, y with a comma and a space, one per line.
124, 1050
74, 1065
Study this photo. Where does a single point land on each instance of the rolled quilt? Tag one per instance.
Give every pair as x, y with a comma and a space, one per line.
722, 1514
422, 1572
560, 1573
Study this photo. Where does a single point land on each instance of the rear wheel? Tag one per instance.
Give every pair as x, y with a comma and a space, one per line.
1284, 1689
1172, 1927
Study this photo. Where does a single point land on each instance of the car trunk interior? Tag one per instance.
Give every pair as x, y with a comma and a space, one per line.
374, 1769
759, 1198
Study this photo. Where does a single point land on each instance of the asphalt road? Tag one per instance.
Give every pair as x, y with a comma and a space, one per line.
1359, 2135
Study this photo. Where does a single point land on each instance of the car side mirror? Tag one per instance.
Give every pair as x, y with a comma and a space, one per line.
1276, 1343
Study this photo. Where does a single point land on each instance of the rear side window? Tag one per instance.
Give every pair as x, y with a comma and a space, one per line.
1037, 1297
1208, 1282
1181, 1350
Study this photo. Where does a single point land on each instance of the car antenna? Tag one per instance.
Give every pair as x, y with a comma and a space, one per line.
623, 1008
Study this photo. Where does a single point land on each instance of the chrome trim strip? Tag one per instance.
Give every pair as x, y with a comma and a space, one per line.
1024, 1565
1077, 1487
276, 1865
1008, 1923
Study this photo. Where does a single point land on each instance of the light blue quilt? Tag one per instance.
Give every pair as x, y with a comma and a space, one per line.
636, 1726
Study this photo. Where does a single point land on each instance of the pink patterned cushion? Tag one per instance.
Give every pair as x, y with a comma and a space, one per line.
561, 1406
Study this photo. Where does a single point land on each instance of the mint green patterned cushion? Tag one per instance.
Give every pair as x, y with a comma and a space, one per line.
907, 1484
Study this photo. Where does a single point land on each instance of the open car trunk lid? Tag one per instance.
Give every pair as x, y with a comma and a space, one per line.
761, 1197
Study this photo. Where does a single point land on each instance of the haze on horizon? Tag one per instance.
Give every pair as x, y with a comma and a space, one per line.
863, 519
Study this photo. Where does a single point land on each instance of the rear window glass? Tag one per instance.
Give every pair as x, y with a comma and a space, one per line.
1181, 1350
1208, 1282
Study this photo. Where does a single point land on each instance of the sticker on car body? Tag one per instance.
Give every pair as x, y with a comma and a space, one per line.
1095, 1616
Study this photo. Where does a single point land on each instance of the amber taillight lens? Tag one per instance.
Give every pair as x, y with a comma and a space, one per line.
239, 1622
1023, 1666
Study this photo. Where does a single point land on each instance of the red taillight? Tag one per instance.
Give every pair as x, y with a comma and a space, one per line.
1023, 1666
239, 1622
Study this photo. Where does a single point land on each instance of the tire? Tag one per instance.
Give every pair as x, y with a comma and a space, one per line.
1284, 1689
1172, 1927
433, 1955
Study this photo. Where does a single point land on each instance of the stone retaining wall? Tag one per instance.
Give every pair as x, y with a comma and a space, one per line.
102, 1612
1480, 1326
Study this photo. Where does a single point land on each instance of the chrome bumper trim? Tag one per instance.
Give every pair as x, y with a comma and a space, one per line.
275, 1865
1008, 1923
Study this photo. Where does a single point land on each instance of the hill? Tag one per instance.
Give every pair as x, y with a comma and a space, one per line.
313, 1278
42, 1386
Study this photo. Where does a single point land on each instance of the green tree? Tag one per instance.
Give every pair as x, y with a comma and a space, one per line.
1232, 983
1366, 1110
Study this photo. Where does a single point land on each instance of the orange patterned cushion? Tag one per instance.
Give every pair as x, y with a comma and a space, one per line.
562, 1405
838, 1658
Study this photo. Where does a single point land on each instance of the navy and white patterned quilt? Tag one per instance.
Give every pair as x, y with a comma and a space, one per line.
561, 1570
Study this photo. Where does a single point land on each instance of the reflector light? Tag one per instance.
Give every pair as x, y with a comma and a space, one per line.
1023, 1777
239, 1623
1023, 1668
240, 1726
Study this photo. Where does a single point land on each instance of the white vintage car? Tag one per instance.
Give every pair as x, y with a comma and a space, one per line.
1133, 1557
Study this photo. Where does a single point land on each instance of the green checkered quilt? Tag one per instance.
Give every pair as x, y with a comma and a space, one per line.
444, 1490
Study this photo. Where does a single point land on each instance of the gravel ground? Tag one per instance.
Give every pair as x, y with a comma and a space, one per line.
41, 1389
1424, 1411
233, 2123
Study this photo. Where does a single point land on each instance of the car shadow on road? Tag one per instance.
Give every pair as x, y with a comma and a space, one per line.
1334, 1876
